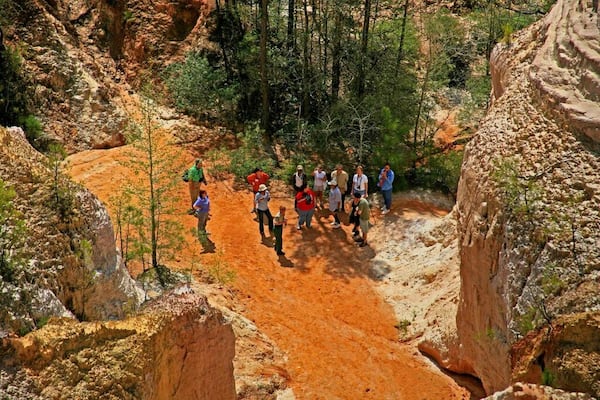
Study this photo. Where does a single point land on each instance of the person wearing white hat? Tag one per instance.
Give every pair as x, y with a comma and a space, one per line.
335, 202
261, 203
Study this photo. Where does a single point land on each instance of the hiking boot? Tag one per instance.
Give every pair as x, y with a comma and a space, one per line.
191, 211
298, 227
281, 253
385, 211
363, 244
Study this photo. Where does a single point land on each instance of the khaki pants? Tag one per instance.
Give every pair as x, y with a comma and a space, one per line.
194, 190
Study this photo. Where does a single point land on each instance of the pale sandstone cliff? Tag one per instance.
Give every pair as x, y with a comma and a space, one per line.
178, 347
72, 266
529, 249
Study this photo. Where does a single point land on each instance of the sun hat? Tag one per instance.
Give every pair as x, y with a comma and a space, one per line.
332, 182
300, 167
262, 187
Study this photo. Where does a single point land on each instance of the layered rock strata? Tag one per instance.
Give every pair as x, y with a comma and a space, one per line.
528, 203
178, 347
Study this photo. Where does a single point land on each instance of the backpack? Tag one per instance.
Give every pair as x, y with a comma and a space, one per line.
186, 176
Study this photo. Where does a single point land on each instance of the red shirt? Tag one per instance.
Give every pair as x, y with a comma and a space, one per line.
301, 200
256, 179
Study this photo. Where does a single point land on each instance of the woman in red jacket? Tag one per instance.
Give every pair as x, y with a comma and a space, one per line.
305, 206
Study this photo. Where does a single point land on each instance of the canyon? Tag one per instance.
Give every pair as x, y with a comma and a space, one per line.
506, 282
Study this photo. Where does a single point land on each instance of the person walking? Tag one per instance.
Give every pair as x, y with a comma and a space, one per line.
341, 177
279, 221
360, 183
201, 210
305, 206
195, 177
386, 178
261, 204
255, 179
335, 202
364, 213
320, 179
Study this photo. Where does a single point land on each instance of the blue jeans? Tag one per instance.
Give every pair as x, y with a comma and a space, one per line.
387, 198
305, 216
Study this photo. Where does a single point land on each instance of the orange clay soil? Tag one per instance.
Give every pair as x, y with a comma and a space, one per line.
317, 303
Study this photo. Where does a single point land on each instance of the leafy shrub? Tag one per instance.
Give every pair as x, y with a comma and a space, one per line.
15, 99
12, 233
250, 155
441, 172
199, 89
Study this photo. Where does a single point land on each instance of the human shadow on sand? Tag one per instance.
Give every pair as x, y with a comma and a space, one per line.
208, 246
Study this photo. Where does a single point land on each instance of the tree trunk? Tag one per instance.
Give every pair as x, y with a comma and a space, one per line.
336, 54
363, 51
291, 37
420, 107
264, 79
305, 62
402, 36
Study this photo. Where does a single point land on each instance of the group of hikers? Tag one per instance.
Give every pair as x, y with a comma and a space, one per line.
306, 199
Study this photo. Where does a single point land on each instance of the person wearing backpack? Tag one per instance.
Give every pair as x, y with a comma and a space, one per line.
305, 206
195, 175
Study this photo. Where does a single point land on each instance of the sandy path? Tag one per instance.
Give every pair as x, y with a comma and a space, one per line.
317, 303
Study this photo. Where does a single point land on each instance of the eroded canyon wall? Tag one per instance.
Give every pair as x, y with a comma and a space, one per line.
70, 265
178, 347
528, 210
83, 57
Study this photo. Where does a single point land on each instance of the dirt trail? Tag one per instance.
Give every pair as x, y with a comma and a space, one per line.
317, 303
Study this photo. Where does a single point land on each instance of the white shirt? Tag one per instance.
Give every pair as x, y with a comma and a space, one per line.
360, 182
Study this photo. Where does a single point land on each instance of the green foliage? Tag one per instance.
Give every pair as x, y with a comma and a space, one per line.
128, 16
129, 225
148, 206
15, 90
63, 196
250, 155
200, 89
507, 31
527, 321
520, 194
551, 283
548, 378
441, 172
13, 234
220, 272
450, 51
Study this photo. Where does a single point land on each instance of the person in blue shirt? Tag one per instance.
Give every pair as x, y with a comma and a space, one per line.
386, 178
